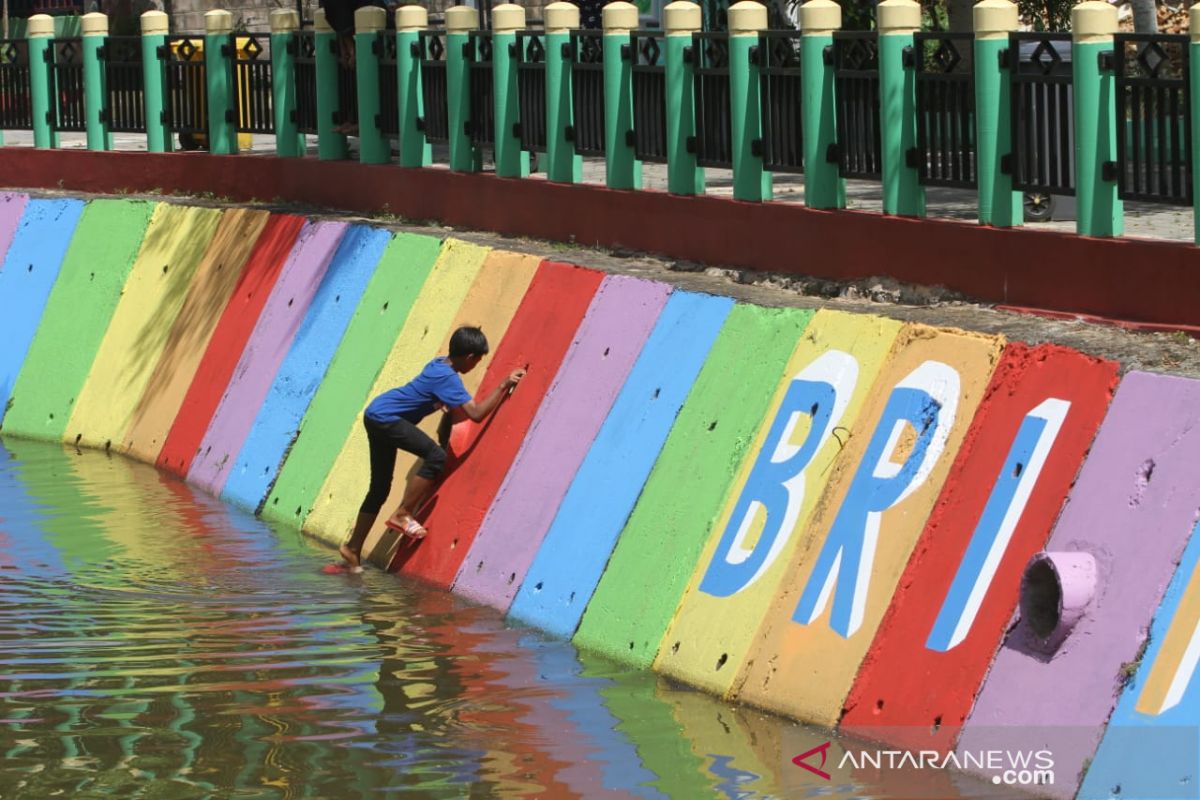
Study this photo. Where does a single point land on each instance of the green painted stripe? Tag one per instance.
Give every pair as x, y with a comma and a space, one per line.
90, 283
401, 273
657, 552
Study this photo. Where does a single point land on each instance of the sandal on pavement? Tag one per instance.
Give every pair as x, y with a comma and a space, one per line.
410, 528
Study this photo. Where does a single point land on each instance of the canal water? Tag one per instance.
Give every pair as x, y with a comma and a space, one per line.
157, 643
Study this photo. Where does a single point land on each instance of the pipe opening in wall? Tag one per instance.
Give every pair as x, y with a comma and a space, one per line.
1041, 599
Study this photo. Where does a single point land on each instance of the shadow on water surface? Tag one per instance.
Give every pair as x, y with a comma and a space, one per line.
155, 642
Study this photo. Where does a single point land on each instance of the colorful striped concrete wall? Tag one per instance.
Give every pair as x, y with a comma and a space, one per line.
823, 514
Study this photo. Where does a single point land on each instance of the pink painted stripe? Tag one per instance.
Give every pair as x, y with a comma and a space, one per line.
265, 351
606, 346
1132, 509
12, 206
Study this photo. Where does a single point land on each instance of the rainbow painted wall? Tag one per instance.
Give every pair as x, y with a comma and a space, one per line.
823, 514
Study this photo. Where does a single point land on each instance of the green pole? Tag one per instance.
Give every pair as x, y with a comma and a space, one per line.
370, 23
751, 182
622, 169
684, 175
902, 190
414, 148
154, 41
824, 186
218, 78
563, 164
1194, 110
94, 28
999, 205
331, 145
40, 34
1100, 211
460, 21
511, 160
289, 142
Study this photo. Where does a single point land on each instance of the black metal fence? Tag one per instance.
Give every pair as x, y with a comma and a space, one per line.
531, 90
124, 84
781, 90
649, 95
254, 95
304, 60
945, 84
482, 127
1154, 129
68, 106
347, 89
186, 89
587, 91
856, 84
435, 100
714, 139
1043, 105
16, 109
388, 119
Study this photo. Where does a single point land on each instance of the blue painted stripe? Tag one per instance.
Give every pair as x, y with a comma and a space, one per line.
572, 557
303, 368
26, 278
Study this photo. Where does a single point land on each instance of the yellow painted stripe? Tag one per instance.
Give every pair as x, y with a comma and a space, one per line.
174, 243
1175, 663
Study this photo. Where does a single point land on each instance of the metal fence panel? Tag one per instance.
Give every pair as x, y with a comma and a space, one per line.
388, 120
16, 111
1154, 125
253, 92
531, 89
480, 87
347, 86
1043, 108
714, 139
435, 100
124, 84
945, 82
68, 109
187, 91
781, 89
649, 95
856, 82
304, 61
587, 91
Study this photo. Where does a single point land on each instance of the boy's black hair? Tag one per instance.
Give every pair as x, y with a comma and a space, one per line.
468, 341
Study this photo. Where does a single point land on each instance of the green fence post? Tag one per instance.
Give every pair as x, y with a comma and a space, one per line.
218, 78
824, 186
1194, 110
747, 19
902, 190
40, 34
289, 142
999, 205
622, 169
370, 24
331, 144
1100, 211
154, 41
94, 29
460, 21
563, 164
684, 175
511, 160
414, 148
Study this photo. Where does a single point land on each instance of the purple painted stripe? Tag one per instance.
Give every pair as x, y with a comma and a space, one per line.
606, 346
12, 206
265, 351
1132, 509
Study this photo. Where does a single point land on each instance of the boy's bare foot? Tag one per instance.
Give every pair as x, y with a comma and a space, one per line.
351, 558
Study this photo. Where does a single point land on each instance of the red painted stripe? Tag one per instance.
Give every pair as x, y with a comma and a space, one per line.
228, 340
922, 696
1020, 267
539, 335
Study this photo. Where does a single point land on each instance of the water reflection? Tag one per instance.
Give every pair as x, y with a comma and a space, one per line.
157, 643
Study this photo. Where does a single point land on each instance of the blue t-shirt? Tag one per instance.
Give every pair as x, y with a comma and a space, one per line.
417, 399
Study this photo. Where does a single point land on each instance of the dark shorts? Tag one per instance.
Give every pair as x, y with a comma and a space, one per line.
384, 439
